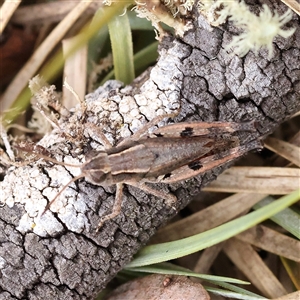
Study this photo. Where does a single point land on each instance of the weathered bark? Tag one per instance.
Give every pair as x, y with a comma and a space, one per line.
61, 256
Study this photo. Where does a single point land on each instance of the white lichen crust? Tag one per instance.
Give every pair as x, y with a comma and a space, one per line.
118, 112
123, 113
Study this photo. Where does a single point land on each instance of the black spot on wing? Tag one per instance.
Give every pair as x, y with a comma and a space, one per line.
158, 134
195, 165
188, 131
168, 175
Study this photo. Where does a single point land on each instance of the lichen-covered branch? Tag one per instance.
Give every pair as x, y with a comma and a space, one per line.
60, 255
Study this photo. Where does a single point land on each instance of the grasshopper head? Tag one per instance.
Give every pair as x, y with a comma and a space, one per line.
97, 168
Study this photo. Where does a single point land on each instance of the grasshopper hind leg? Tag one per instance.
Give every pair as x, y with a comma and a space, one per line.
170, 198
144, 130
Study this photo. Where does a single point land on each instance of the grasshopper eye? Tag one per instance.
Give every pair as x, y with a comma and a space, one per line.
96, 177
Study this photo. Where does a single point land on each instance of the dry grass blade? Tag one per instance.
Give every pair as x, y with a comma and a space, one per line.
208, 218
293, 4
39, 13
280, 161
75, 70
296, 114
207, 258
284, 149
266, 180
250, 263
291, 296
43, 12
272, 241
36, 60
6, 11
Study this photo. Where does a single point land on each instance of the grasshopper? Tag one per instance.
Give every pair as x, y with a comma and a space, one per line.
170, 154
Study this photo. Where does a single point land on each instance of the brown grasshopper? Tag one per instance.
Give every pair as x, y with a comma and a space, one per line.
171, 153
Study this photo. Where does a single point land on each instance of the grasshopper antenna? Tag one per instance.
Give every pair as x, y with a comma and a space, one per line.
60, 192
43, 156
61, 163
64, 188
47, 158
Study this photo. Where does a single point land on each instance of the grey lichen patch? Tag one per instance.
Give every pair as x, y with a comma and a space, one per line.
70, 209
208, 74
211, 86
184, 75
34, 186
16, 188
30, 187
119, 112
125, 110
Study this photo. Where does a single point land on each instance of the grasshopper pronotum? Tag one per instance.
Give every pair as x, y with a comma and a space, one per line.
171, 153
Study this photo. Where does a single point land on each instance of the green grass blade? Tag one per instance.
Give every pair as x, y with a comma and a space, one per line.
171, 250
141, 60
122, 49
170, 269
243, 295
146, 56
232, 288
96, 47
287, 218
224, 282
